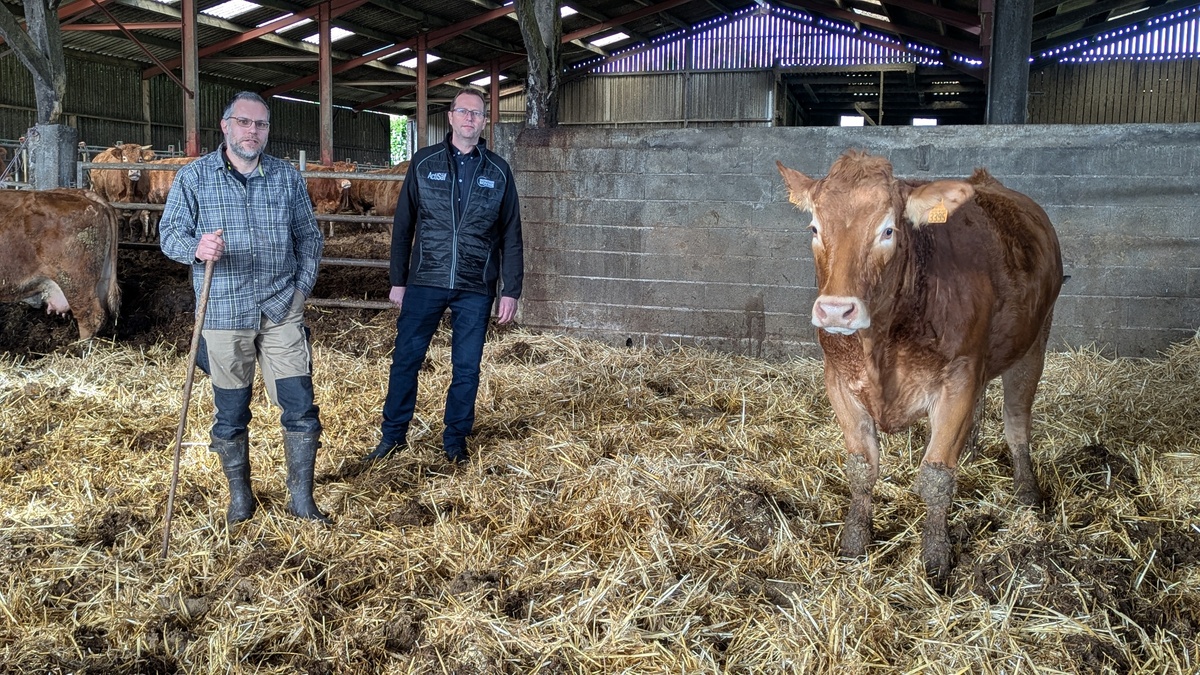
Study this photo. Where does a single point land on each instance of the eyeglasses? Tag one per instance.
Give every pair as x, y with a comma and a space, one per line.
246, 123
477, 114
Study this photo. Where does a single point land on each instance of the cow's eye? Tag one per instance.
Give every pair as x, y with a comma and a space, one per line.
812, 228
887, 234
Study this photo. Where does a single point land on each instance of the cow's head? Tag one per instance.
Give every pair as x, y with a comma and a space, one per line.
344, 183
132, 153
862, 225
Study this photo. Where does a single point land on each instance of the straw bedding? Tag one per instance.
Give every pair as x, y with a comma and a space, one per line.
625, 510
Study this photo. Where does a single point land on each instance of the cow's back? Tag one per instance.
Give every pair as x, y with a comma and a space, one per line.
378, 196
161, 181
998, 255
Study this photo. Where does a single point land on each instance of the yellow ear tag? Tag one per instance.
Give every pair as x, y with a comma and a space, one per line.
938, 213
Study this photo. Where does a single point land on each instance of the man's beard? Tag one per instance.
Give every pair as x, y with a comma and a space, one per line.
247, 155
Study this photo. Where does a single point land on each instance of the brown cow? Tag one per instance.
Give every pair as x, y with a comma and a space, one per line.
330, 195
927, 291
120, 185
378, 197
157, 185
60, 251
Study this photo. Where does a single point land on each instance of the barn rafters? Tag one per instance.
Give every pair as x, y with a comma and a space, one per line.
371, 72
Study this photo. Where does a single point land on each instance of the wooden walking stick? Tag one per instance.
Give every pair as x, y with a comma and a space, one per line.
201, 308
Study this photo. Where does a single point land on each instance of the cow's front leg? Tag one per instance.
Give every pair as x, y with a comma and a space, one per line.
861, 466
950, 422
857, 532
935, 484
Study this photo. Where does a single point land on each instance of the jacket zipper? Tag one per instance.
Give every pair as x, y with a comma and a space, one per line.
454, 223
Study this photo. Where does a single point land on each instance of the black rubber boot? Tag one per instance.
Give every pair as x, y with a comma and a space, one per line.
235, 463
458, 455
300, 449
384, 450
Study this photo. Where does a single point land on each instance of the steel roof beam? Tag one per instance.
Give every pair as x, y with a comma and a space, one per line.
357, 28
1108, 26
205, 20
250, 34
436, 22
679, 23
960, 46
581, 11
500, 65
962, 20
1058, 22
433, 38
166, 25
624, 18
592, 30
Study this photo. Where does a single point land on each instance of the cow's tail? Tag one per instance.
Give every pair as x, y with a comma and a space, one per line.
109, 290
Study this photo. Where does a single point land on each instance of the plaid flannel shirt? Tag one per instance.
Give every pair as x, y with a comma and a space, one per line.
272, 241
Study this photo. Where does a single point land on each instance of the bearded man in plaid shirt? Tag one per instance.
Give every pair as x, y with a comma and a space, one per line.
250, 214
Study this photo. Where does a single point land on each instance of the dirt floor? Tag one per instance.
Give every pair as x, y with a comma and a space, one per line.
157, 301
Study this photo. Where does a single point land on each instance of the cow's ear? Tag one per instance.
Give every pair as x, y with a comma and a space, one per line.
934, 202
799, 187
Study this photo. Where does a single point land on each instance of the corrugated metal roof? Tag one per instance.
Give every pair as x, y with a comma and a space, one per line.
949, 30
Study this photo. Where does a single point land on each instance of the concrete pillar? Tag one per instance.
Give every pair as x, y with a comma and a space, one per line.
52, 155
1008, 68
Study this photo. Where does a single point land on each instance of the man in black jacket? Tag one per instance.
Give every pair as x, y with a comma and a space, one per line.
456, 232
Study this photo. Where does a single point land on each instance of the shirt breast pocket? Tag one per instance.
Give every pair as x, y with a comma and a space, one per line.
486, 197
271, 223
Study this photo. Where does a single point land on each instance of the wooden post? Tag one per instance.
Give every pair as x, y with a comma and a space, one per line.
191, 79
326, 85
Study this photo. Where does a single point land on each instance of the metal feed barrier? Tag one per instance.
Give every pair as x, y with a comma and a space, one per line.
329, 218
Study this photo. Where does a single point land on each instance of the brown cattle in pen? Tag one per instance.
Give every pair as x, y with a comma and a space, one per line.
120, 185
927, 291
378, 197
157, 184
60, 250
330, 195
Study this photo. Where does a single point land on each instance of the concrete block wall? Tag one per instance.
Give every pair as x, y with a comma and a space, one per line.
686, 236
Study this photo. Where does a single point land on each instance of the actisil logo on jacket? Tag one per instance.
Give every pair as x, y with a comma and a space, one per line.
484, 182
441, 175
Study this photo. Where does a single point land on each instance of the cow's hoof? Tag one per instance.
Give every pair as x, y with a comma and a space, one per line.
1028, 493
855, 538
936, 554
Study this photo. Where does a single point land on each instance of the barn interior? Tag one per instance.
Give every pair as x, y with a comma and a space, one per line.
887, 61
630, 508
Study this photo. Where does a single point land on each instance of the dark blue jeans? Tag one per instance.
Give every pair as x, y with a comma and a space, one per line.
418, 321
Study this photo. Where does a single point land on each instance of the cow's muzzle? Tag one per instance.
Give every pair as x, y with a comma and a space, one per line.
840, 314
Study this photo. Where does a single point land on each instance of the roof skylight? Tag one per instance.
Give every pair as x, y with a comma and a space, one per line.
873, 15
609, 39
285, 28
230, 9
485, 81
335, 34
412, 63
